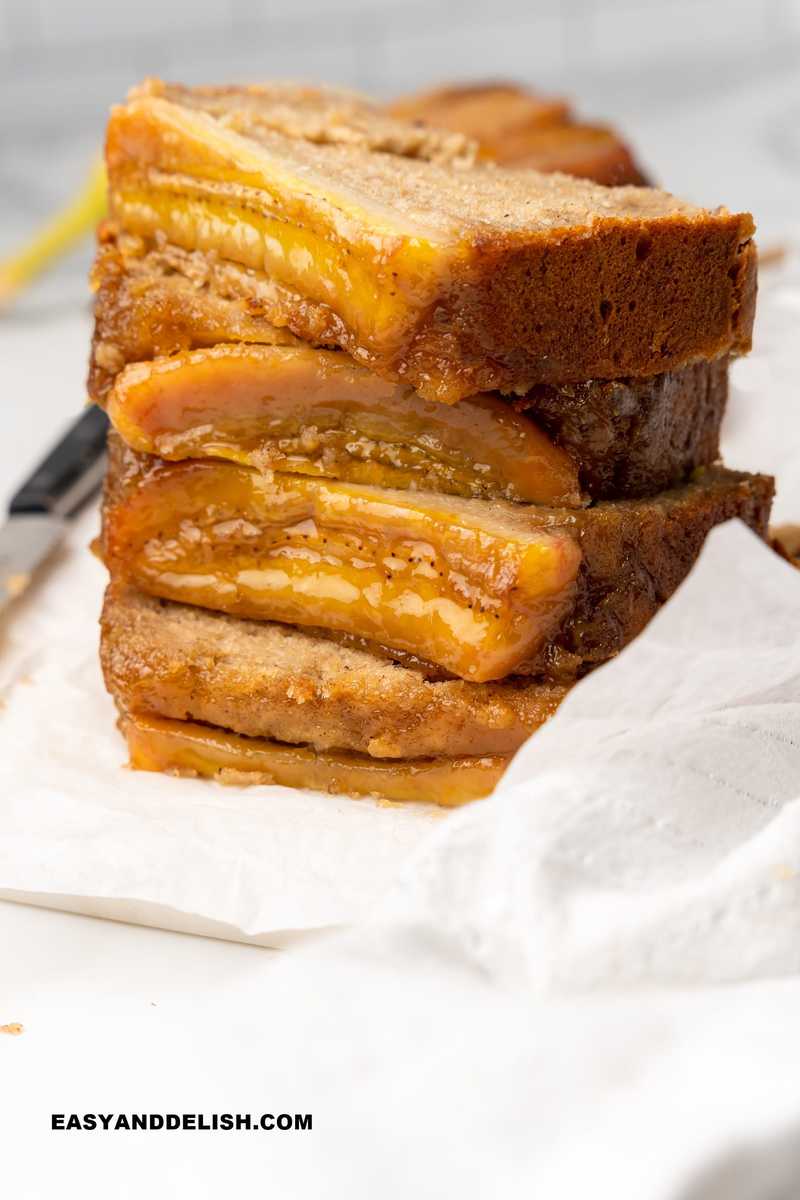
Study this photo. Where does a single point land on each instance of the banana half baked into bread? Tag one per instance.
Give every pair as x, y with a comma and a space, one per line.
404, 443
519, 127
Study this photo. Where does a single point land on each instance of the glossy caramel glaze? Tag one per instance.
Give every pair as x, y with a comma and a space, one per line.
587, 151
185, 748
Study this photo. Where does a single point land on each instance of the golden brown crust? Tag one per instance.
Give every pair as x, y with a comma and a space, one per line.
637, 552
268, 680
636, 437
486, 332
487, 111
696, 300
586, 151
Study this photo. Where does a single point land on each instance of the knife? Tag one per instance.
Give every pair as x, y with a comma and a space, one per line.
40, 510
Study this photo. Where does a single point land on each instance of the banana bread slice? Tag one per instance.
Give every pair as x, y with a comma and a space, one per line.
169, 660
280, 404
455, 280
481, 588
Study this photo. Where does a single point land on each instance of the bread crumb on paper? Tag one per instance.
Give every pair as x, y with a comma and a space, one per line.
15, 585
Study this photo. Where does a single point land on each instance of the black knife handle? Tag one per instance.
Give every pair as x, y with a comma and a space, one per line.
69, 474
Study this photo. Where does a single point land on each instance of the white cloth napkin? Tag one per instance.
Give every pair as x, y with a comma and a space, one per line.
537, 1009
652, 832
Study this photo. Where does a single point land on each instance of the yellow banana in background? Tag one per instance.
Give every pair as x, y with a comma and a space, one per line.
56, 237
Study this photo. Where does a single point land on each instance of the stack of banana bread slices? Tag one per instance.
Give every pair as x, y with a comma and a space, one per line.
404, 443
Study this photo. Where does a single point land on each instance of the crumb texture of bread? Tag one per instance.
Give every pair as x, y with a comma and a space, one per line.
273, 681
455, 280
157, 302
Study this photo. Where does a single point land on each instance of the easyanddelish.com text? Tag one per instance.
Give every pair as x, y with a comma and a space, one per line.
196, 1122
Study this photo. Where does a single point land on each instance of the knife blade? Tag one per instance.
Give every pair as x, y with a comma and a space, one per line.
41, 509
26, 541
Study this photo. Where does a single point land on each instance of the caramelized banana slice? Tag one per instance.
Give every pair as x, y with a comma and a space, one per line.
515, 125
466, 584
184, 748
316, 412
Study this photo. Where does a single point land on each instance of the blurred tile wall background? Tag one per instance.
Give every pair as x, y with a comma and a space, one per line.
701, 86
